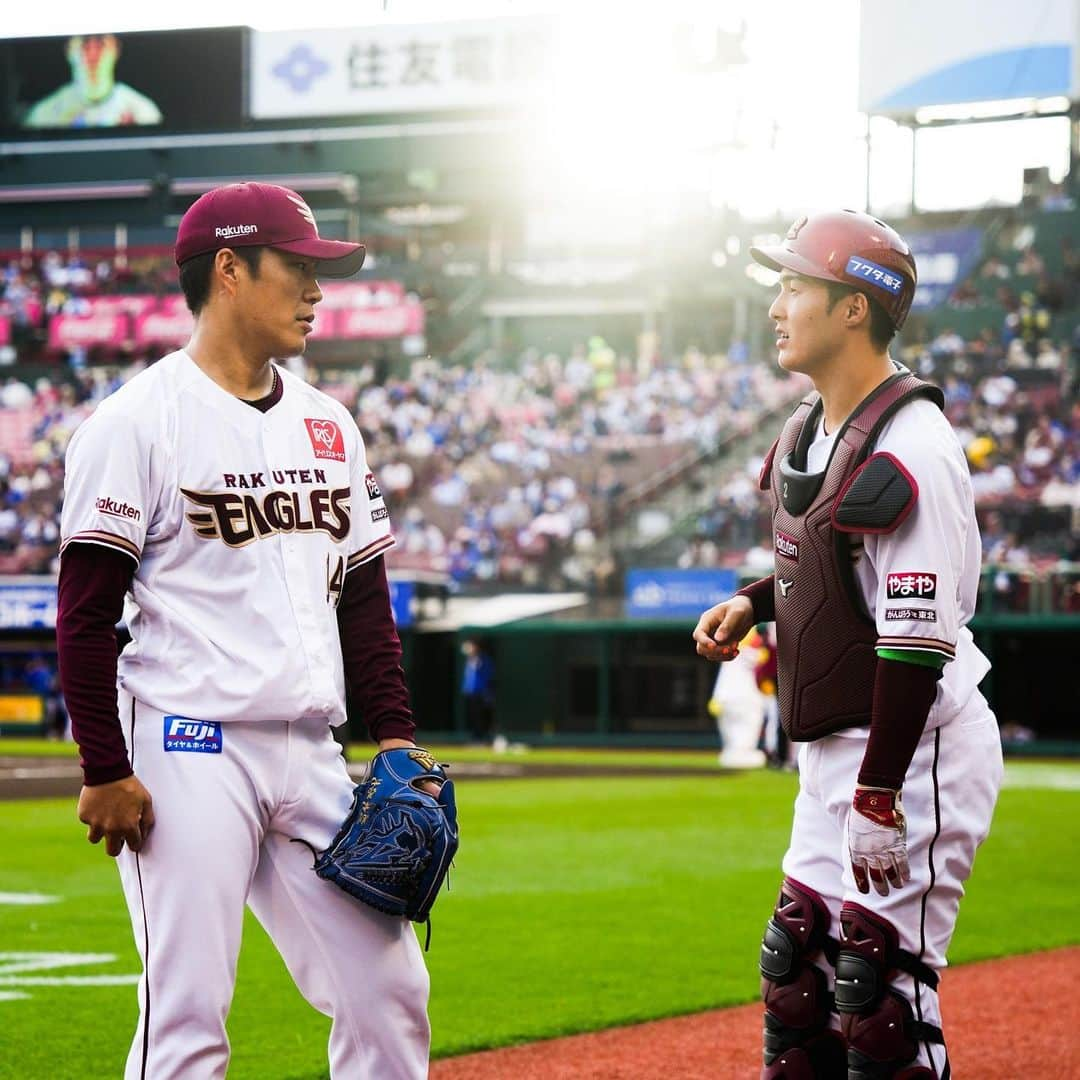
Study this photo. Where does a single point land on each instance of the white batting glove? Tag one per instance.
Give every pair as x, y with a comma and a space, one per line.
877, 840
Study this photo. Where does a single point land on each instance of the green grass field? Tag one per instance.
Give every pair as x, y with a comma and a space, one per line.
576, 905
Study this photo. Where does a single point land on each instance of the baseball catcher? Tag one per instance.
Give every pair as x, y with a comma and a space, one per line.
396, 844
877, 564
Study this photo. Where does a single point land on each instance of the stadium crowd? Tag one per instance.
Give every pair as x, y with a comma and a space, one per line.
36, 286
507, 476
515, 474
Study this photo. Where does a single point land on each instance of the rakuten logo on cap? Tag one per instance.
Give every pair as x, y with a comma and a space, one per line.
227, 232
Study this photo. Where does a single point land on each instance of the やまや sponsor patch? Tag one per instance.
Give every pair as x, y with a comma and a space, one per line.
913, 585
326, 440
192, 736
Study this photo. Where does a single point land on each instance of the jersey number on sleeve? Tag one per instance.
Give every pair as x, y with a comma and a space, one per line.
335, 578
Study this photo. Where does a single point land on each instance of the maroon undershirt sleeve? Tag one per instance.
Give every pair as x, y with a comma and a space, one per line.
90, 602
762, 598
903, 695
371, 650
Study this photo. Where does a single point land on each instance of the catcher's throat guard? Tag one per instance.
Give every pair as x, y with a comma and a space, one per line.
396, 844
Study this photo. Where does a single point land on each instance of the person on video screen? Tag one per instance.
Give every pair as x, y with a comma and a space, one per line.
93, 98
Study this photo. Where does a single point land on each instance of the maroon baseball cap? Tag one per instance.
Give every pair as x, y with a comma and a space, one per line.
262, 215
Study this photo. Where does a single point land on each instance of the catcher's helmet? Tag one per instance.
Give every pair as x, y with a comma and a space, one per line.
853, 249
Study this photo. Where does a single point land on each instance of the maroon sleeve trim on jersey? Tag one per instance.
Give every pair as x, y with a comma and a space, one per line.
903, 696
371, 652
104, 539
376, 547
94, 578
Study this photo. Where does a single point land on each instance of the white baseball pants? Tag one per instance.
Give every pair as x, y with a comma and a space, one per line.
224, 822
949, 795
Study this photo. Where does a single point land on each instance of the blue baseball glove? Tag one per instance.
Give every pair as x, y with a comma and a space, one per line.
396, 845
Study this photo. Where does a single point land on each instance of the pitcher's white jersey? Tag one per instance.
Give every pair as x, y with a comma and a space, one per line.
242, 524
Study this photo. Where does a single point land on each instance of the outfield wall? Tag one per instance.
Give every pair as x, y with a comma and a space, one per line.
638, 682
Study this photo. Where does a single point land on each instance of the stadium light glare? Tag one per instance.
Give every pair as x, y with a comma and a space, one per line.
633, 110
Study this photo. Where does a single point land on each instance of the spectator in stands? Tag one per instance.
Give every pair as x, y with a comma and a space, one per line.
1030, 321
1042, 447
1047, 358
1030, 263
701, 551
947, 344
994, 479
1017, 357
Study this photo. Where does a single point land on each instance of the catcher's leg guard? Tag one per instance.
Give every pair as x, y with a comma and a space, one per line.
882, 1033
798, 1044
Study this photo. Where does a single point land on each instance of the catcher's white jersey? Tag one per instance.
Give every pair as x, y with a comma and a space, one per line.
921, 582
243, 525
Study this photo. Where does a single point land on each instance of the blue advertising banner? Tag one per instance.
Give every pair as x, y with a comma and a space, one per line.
665, 593
27, 603
943, 259
401, 598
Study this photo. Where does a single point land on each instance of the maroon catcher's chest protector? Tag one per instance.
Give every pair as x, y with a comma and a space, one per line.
825, 636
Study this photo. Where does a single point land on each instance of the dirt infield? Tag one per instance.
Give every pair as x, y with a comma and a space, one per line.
1004, 1019
39, 777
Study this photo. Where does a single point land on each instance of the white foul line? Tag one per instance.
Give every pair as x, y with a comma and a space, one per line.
15, 965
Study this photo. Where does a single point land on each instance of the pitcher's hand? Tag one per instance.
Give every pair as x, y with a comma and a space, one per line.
394, 744
122, 812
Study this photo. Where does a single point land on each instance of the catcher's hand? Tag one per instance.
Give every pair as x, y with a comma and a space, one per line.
877, 840
721, 628
396, 845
